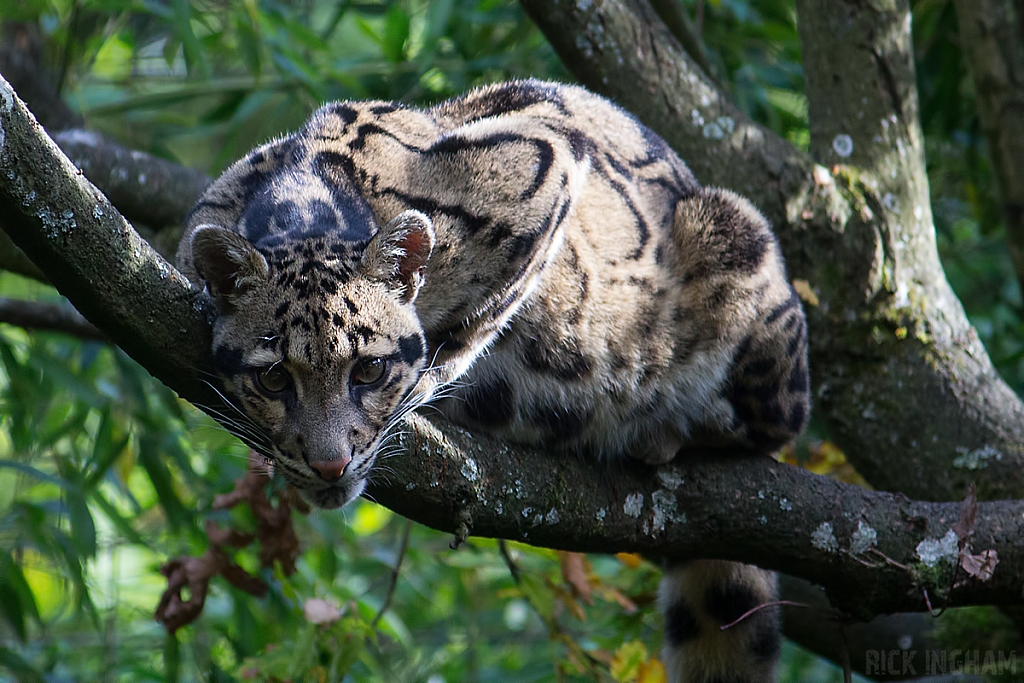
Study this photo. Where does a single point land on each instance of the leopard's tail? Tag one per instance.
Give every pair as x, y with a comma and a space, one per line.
713, 630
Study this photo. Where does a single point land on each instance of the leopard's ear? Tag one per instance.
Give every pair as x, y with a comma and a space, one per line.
399, 251
226, 262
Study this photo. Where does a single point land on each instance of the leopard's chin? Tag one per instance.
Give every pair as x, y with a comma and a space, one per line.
334, 496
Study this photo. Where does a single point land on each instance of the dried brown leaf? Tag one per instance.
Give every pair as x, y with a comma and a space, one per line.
193, 573
964, 528
244, 581
574, 571
612, 594
229, 537
980, 566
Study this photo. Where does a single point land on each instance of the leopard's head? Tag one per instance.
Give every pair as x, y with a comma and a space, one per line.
319, 345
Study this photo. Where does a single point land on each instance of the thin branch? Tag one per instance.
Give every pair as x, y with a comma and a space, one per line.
14, 260
677, 21
758, 608
39, 315
513, 568
144, 189
394, 574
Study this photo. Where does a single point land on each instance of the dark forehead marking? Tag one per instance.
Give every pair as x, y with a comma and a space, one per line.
335, 170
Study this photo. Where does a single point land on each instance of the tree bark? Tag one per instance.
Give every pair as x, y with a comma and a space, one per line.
874, 552
901, 379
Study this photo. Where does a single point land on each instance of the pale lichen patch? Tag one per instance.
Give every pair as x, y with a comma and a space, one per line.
670, 479
552, 517
470, 470
824, 538
719, 128
77, 136
665, 507
935, 550
601, 514
863, 539
634, 504
842, 145
6, 97
976, 459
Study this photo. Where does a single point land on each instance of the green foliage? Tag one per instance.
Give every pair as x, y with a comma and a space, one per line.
970, 231
203, 82
105, 475
755, 46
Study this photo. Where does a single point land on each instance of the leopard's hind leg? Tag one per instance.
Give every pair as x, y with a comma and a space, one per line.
720, 625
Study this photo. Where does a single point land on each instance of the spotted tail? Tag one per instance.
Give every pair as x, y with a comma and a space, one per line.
698, 598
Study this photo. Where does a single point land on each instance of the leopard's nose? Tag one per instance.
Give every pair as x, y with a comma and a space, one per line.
331, 470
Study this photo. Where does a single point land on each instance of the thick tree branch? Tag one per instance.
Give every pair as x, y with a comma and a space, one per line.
874, 552
95, 258
990, 34
896, 366
863, 546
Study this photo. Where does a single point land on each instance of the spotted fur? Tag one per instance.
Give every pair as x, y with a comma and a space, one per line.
539, 245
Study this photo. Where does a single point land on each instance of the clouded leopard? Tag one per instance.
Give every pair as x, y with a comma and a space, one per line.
539, 245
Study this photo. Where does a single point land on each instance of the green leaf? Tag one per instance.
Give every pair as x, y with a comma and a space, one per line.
114, 61
36, 474
396, 33
195, 58
14, 578
106, 449
83, 530
123, 526
172, 658
10, 607
249, 46
21, 669
162, 480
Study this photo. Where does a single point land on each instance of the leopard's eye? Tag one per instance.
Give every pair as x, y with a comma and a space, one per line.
273, 379
369, 371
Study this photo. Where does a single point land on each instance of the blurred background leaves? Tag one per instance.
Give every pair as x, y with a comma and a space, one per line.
105, 474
